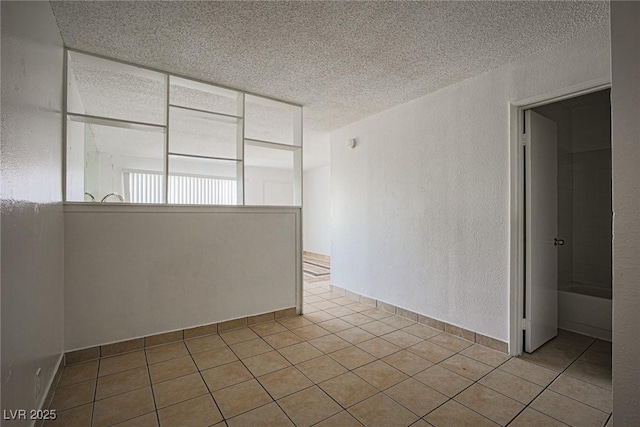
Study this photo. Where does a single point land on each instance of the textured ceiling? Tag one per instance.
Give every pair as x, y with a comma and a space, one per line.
342, 60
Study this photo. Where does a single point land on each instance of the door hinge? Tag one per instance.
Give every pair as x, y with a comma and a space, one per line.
523, 139
523, 324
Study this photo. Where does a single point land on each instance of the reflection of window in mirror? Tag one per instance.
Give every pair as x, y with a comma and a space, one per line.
109, 148
194, 180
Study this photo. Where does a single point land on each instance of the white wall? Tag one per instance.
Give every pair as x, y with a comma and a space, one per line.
625, 105
268, 186
316, 187
75, 160
132, 271
317, 210
32, 218
316, 147
420, 209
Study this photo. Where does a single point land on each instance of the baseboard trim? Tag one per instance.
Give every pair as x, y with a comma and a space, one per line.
120, 347
466, 334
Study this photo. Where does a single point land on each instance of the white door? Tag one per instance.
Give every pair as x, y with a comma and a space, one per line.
541, 200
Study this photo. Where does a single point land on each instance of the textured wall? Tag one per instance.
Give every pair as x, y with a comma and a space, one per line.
317, 210
32, 219
132, 271
420, 209
625, 135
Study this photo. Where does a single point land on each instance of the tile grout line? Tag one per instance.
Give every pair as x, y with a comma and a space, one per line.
465, 388
258, 381
438, 363
95, 392
587, 382
378, 391
493, 368
253, 379
328, 379
153, 394
548, 385
313, 383
412, 376
203, 380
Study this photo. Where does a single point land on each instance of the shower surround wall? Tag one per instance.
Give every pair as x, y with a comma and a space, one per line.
584, 190
584, 194
591, 228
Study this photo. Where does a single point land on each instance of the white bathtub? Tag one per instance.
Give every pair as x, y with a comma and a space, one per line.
585, 309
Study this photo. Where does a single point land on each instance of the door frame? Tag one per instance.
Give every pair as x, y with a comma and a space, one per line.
516, 198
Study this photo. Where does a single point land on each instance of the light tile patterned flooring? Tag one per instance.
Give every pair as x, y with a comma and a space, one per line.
341, 364
316, 269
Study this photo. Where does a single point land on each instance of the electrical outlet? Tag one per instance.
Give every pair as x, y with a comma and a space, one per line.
38, 383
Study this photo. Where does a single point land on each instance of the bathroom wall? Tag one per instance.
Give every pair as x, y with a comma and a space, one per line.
32, 215
592, 217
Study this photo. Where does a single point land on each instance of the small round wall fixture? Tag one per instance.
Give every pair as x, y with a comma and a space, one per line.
351, 143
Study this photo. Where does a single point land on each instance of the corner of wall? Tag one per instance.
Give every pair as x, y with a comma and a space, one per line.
32, 212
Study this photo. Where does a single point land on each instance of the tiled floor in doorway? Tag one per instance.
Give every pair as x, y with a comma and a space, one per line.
340, 364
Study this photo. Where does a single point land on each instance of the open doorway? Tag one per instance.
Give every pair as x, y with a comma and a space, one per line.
567, 224
561, 238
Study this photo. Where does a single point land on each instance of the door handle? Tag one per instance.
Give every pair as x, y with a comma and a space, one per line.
558, 242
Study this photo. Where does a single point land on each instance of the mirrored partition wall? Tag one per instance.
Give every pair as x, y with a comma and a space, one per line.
137, 135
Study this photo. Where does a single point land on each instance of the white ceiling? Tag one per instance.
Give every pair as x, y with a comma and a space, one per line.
342, 60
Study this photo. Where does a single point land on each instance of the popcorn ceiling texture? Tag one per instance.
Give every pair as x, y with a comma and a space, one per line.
117, 93
114, 90
342, 60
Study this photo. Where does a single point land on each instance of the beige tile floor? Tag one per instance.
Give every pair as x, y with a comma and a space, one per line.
340, 364
316, 269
